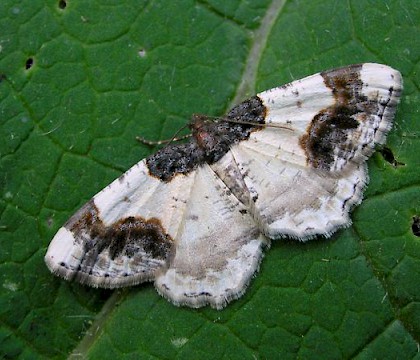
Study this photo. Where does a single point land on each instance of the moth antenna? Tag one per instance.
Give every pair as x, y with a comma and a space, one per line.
166, 141
256, 124
160, 142
214, 118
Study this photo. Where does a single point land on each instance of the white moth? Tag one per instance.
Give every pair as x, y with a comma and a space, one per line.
194, 217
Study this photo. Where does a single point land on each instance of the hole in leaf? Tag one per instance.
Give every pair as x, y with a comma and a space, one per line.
62, 4
2, 77
142, 53
388, 155
29, 63
415, 227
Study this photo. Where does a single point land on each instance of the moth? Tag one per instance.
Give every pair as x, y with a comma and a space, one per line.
195, 217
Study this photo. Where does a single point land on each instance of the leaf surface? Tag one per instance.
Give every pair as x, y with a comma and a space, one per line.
79, 80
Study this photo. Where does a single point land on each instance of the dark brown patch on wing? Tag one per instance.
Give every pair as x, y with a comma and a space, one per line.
212, 138
332, 127
127, 237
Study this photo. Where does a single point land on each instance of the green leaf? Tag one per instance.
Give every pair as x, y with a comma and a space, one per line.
79, 80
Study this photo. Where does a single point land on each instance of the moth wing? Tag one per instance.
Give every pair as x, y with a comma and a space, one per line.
218, 249
124, 233
189, 234
288, 200
305, 177
333, 118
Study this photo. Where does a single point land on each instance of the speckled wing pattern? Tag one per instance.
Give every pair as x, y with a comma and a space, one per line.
195, 217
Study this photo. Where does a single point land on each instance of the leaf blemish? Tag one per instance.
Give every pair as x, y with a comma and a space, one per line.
50, 222
62, 4
389, 157
415, 227
29, 63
